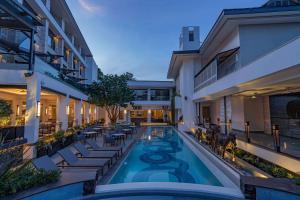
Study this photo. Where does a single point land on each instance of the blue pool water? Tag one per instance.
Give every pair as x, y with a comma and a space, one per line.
162, 156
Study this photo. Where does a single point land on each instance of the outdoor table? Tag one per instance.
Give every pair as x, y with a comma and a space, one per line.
127, 131
90, 134
98, 130
119, 136
133, 128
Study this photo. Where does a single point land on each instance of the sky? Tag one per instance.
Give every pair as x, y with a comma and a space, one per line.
138, 36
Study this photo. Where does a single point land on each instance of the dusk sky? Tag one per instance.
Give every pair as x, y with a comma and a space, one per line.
139, 36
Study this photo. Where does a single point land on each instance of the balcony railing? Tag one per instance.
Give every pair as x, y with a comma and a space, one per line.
224, 64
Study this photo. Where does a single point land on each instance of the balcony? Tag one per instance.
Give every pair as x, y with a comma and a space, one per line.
222, 65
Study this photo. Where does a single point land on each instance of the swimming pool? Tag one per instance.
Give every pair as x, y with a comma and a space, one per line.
162, 156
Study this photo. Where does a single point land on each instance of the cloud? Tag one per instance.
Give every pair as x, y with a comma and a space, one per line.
90, 7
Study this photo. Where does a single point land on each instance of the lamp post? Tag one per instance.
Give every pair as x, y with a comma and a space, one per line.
247, 131
276, 137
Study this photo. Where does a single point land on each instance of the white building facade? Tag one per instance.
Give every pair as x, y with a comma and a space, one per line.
246, 70
47, 96
152, 103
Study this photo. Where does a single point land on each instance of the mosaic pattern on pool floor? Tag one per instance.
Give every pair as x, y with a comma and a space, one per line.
162, 156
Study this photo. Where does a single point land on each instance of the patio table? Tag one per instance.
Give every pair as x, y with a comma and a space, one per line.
90, 134
127, 131
98, 130
119, 136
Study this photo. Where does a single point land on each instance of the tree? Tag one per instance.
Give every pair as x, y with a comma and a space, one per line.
111, 92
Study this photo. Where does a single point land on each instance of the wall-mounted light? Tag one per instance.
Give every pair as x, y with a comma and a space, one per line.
18, 110
46, 111
125, 112
90, 110
254, 96
38, 107
67, 109
149, 111
81, 110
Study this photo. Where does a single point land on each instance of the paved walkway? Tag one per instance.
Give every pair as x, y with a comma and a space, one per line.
290, 146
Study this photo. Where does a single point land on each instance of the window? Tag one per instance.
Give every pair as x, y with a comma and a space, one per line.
191, 36
50, 40
160, 95
141, 95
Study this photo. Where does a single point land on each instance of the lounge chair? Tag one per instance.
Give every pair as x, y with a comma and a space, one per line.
68, 176
71, 159
95, 154
96, 147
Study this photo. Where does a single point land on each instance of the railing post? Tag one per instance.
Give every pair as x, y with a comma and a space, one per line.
276, 137
247, 131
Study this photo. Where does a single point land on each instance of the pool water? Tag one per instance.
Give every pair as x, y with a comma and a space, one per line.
162, 156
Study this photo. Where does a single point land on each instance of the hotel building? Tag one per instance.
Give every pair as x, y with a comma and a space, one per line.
245, 72
44, 63
151, 104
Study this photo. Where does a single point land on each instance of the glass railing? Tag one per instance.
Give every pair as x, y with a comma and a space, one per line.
217, 69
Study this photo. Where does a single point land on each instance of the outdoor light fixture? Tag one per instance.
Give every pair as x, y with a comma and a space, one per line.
253, 96
81, 110
149, 111
247, 131
18, 110
46, 111
125, 112
276, 137
67, 109
38, 106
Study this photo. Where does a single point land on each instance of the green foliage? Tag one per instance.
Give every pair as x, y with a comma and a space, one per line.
59, 135
297, 182
111, 92
25, 177
5, 109
264, 165
4, 121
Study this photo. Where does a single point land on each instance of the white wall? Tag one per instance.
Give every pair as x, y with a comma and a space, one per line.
238, 117
186, 92
254, 113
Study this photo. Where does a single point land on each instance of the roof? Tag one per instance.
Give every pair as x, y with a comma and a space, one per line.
144, 84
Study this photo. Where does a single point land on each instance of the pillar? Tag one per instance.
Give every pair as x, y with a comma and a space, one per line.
61, 116
31, 132
31, 116
78, 117
149, 116
87, 113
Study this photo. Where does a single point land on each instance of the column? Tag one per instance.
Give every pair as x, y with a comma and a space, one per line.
149, 116
61, 115
32, 114
77, 109
125, 114
87, 113
149, 95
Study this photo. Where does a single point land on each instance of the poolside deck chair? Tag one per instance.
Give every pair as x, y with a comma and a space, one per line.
96, 147
71, 159
95, 154
68, 176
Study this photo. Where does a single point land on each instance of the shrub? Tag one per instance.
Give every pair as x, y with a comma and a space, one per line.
59, 135
264, 165
23, 178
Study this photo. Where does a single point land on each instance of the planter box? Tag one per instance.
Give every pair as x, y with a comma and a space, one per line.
249, 168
